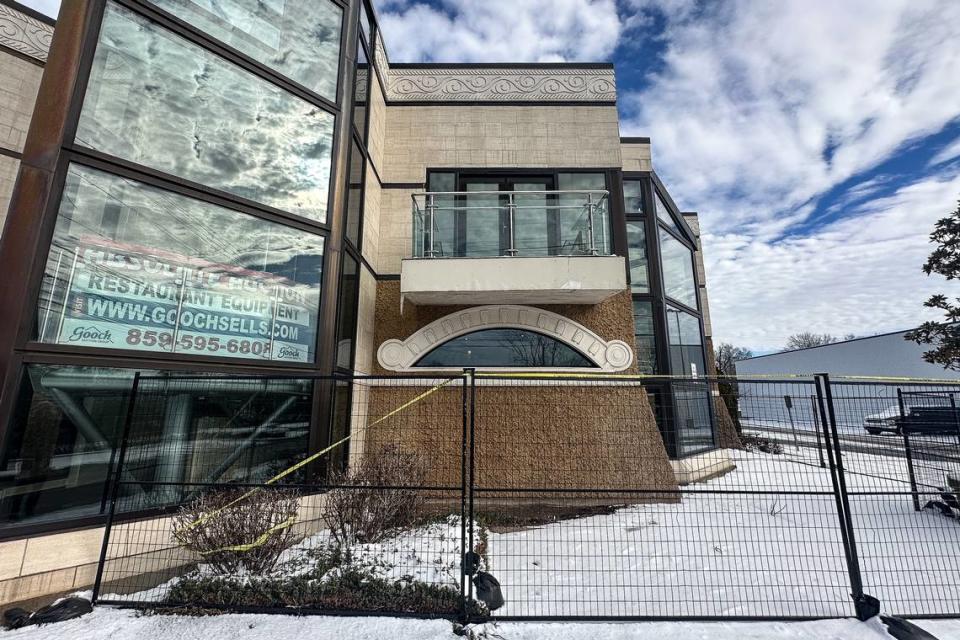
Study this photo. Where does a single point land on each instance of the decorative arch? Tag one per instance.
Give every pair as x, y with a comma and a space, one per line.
402, 355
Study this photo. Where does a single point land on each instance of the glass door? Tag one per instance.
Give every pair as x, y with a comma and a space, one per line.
484, 225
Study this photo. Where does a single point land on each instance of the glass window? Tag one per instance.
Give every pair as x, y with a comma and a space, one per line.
644, 336
637, 248
444, 219
62, 443
574, 236
663, 212
693, 417
156, 99
632, 198
686, 345
355, 197
135, 267
361, 92
365, 22
677, 263
297, 38
504, 348
347, 313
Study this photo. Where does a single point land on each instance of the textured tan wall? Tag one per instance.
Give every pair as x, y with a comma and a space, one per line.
8, 176
612, 319
636, 157
531, 436
378, 124
494, 136
366, 350
19, 83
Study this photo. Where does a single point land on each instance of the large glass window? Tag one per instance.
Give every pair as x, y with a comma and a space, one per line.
574, 236
136, 267
62, 443
663, 212
677, 264
644, 336
637, 248
504, 348
686, 346
156, 99
298, 38
361, 91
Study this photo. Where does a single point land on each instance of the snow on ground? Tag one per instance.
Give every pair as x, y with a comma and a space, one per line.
717, 554
115, 624
778, 553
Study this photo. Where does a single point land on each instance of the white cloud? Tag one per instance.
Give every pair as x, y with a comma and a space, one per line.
500, 30
750, 96
948, 153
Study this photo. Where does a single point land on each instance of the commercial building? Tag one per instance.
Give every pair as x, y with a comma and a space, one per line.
261, 192
888, 355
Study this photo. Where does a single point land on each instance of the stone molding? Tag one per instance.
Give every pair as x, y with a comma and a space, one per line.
486, 84
24, 34
401, 355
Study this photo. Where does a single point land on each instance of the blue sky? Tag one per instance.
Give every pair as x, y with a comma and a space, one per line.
819, 140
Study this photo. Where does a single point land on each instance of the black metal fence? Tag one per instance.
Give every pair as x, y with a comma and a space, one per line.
519, 496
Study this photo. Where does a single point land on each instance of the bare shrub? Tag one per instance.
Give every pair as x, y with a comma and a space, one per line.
218, 531
382, 497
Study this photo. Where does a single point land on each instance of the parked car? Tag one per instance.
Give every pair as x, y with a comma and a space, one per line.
882, 422
931, 421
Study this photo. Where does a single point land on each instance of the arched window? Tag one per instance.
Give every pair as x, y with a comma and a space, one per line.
504, 347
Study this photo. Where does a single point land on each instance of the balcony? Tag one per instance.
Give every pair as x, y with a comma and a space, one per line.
511, 247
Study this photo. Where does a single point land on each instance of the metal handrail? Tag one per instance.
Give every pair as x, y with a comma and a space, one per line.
595, 202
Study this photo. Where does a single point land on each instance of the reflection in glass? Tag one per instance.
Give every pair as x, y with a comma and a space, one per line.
677, 263
62, 444
483, 220
637, 250
663, 212
156, 99
355, 195
445, 214
504, 348
574, 235
361, 91
632, 198
644, 336
135, 267
693, 417
686, 345
531, 223
297, 38
347, 313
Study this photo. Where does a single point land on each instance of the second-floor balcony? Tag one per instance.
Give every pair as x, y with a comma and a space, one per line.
489, 247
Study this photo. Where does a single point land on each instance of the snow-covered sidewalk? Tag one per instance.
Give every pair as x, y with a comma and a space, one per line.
116, 624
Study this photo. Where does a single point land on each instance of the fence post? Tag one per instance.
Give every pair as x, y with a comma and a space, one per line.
115, 490
865, 606
908, 452
816, 430
471, 409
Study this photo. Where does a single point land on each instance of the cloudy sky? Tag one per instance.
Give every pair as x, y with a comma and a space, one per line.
819, 140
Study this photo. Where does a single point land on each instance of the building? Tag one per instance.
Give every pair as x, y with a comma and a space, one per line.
264, 193
888, 355
887, 362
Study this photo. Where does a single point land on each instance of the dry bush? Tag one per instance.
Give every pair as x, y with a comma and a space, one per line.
222, 526
382, 497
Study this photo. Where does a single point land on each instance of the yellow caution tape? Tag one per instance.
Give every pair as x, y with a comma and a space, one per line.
289, 522
745, 378
318, 454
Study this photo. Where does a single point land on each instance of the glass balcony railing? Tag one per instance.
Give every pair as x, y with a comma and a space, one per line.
478, 224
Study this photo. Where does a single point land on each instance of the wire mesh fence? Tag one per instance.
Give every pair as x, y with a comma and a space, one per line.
521, 496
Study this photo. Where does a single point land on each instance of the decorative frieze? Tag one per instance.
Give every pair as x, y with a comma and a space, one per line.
25, 34
491, 84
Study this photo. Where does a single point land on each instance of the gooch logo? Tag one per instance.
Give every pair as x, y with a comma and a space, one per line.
288, 352
92, 333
